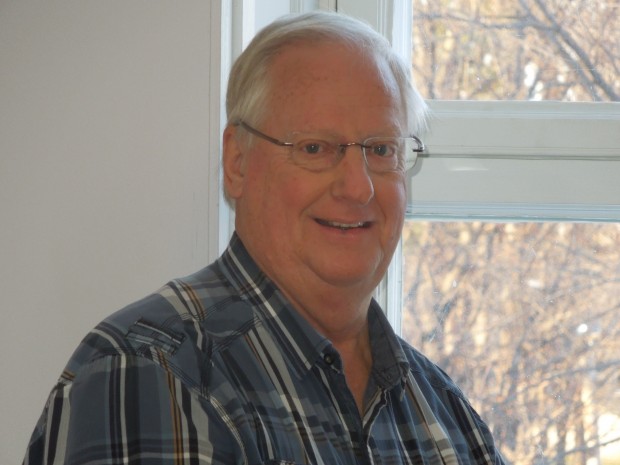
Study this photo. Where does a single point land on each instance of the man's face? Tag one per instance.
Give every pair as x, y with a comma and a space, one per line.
335, 229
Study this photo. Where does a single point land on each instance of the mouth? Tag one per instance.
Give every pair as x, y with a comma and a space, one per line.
344, 226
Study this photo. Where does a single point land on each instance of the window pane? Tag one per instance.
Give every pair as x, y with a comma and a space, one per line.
565, 50
525, 317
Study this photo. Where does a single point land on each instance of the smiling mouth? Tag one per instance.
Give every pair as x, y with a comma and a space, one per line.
344, 226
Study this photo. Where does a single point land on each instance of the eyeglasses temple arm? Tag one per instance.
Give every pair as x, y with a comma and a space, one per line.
421, 147
262, 135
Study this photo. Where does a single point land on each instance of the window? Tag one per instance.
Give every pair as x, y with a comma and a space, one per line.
510, 274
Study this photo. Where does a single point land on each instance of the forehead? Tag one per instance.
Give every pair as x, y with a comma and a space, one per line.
333, 81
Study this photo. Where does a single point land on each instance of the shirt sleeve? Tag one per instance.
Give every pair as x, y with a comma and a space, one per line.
127, 409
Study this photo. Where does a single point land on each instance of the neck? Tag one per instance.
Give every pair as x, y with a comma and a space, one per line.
345, 323
338, 315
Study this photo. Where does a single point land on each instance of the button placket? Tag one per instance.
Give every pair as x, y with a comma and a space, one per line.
329, 358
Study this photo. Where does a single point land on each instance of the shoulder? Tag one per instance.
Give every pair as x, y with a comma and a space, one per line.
428, 373
451, 407
174, 327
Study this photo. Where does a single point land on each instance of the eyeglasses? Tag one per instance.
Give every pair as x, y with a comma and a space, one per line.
320, 152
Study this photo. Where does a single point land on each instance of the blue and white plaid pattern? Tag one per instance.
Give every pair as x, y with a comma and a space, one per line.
218, 368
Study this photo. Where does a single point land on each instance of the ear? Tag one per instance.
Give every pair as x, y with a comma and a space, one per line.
233, 163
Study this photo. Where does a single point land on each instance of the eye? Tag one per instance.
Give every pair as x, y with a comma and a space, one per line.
312, 147
384, 148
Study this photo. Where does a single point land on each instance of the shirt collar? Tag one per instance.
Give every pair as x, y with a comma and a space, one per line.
390, 365
302, 344
298, 341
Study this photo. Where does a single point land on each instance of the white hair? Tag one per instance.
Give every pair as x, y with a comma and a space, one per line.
248, 85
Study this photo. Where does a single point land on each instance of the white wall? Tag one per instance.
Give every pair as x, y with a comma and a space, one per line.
104, 115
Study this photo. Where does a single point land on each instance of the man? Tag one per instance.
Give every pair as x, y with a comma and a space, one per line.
277, 353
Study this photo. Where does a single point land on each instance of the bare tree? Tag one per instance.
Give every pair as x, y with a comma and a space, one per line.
526, 318
518, 49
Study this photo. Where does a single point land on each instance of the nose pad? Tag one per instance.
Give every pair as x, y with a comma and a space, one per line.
343, 151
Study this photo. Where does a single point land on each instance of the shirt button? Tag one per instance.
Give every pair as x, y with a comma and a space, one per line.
328, 358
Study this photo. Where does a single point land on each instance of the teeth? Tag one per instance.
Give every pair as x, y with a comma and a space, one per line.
343, 226
346, 226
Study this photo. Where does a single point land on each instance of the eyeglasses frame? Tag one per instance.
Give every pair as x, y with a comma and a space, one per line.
420, 149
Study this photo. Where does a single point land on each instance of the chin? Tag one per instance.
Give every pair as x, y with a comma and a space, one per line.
353, 277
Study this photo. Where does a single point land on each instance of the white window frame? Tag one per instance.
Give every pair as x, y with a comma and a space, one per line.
527, 161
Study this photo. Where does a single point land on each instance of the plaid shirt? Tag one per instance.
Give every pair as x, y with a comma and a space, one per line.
217, 368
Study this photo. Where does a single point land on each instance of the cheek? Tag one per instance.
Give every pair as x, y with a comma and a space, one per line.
260, 179
295, 195
393, 197
401, 195
276, 192
393, 201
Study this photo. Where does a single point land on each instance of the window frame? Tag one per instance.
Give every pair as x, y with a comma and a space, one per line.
526, 160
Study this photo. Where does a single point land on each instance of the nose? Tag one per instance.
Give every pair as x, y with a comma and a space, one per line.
352, 179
